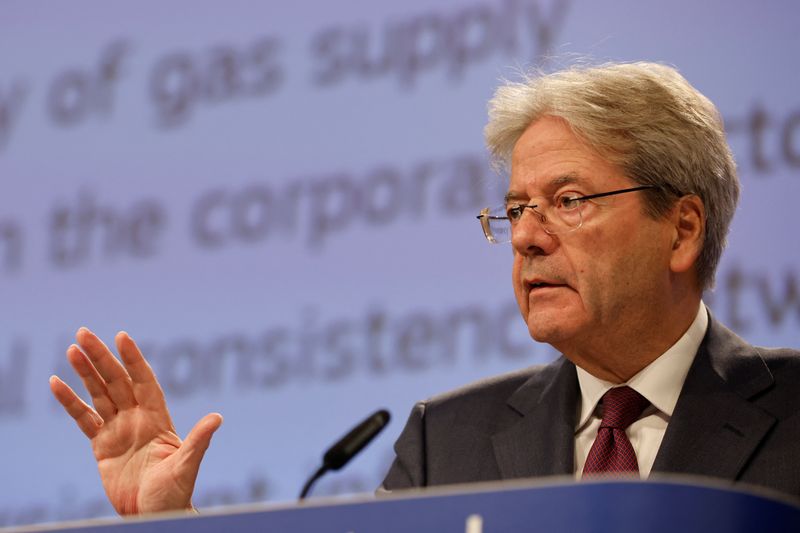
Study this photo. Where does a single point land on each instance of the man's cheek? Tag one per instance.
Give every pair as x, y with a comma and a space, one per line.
516, 277
521, 296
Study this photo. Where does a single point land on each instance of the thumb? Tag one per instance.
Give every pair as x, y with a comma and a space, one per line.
197, 441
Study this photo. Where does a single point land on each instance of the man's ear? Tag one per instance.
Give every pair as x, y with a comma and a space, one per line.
689, 226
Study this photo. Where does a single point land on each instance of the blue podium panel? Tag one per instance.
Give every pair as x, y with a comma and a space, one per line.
612, 506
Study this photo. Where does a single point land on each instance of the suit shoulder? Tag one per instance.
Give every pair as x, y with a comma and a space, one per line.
750, 368
489, 392
783, 363
779, 355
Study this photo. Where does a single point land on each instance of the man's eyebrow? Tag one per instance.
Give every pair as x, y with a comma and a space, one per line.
567, 179
559, 181
512, 195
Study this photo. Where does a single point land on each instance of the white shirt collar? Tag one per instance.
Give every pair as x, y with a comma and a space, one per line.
660, 382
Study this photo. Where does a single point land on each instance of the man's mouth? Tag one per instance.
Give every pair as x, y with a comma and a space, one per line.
537, 285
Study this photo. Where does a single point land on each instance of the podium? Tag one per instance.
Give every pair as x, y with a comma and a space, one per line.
563, 505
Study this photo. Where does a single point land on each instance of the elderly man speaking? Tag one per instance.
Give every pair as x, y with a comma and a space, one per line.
622, 189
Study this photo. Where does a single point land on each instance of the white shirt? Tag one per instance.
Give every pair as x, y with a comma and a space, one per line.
660, 382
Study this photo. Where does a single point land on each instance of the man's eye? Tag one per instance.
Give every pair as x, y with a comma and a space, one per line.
569, 202
514, 212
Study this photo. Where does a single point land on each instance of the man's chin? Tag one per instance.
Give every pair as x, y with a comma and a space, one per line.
549, 330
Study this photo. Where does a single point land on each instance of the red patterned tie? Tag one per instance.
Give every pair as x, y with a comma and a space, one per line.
612, 452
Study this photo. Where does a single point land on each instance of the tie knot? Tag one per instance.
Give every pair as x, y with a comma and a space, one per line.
621, 406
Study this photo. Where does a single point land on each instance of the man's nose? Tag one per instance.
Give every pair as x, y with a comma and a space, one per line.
528, 235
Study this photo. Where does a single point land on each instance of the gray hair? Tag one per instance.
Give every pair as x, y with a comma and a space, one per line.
646, 119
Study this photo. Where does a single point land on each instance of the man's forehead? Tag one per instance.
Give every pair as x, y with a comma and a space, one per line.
549, 155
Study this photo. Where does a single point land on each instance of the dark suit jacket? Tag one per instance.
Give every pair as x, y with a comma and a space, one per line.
737, 418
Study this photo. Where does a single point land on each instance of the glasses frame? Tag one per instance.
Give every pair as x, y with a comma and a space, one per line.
485, 217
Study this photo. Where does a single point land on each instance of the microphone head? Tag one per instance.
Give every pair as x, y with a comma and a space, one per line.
348, 446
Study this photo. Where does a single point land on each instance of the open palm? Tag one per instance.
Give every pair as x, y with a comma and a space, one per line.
143, 464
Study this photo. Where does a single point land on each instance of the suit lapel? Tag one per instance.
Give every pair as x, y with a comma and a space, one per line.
541, 442
715, 428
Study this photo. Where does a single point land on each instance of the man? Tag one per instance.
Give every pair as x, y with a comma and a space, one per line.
621, 193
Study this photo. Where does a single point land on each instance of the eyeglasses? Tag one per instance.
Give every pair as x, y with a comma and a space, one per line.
561, 214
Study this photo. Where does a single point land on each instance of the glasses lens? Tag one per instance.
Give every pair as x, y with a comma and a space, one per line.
561, 219
495, 225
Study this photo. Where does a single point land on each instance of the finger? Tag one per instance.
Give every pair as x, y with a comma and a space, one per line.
94, 383
196, 443
147, 391
87, 419
118, 382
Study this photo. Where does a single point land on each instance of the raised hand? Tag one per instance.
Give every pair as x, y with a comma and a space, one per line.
143, 464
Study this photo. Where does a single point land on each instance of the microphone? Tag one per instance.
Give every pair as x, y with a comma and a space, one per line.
348, 446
